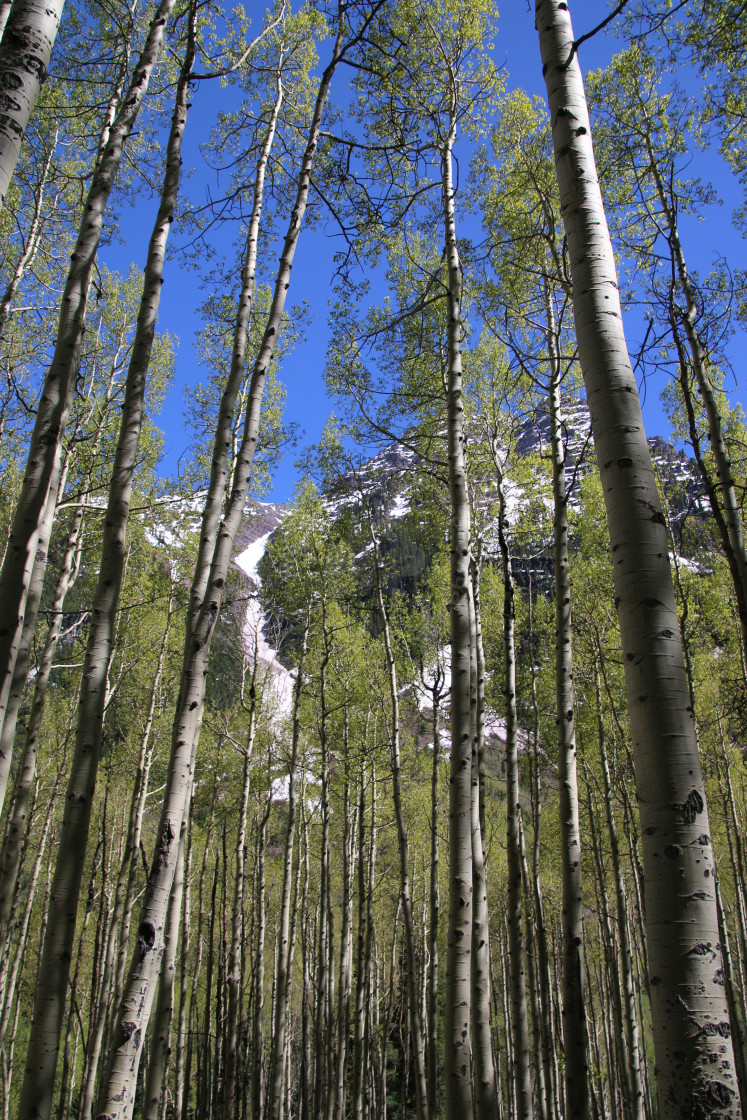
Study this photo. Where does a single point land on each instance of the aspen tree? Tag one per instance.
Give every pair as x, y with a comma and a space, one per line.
416, 1025
282, 982
649, 133
43, 468
25, 50
691, 1028
53, 974
206, 599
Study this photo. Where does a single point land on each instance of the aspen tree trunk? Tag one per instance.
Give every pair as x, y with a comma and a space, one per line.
547, 1026
234, 971
36, 1096
20, 673
617, 1055
164, 1012
124, 891
25, 50
625, 956
726, 511
740, 1050
258, 987
458, 993
325, 956
346, 932
138, 996
181, 1045
307, 1068
364, 987
434, 903
540, 1084
692, 1036
44, 460
278, 1056
482, 1044
10, 857
416, 1026
515, 909
574, 1010
13, 967
508, 1032
195, 976
42, 210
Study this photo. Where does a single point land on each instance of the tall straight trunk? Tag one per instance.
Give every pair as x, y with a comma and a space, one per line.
10, 856
416, 1025
324, 1009
485, 1088
458, 991
514, 900
635, 1104
164, 1012
204, 611
434, 902
13, 965
25, 50
20, 673
535, 999
547, 1026
364, 986
692, 1036
42, 211
260, 905
36, 1096
574, 1008
234, 971
278, 1056
731, 989
613, 1019
346, 932
722, 494
45, 452
124, 891
181, 1043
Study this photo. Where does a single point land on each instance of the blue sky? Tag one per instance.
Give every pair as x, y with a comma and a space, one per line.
302, 373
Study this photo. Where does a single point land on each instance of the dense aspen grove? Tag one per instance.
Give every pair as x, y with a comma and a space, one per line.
425, 795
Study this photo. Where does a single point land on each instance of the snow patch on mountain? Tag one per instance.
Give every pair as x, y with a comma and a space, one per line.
278, 681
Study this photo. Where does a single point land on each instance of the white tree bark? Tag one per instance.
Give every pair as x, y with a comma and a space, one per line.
692, 1034
458, 993
25, 51
44, 460
119, 1094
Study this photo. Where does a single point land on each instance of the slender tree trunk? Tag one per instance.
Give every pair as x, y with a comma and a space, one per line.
10, 858
722, 497
482, 1043
25, 50
42, 211
181, 1045
416, 1026
458, 992
138, 996
234, 971
164, 1011
278, 1056
44, 461
630, 1015
574, 1007
434, 903
20, 674
36, 1097
694, 1053
515, 908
